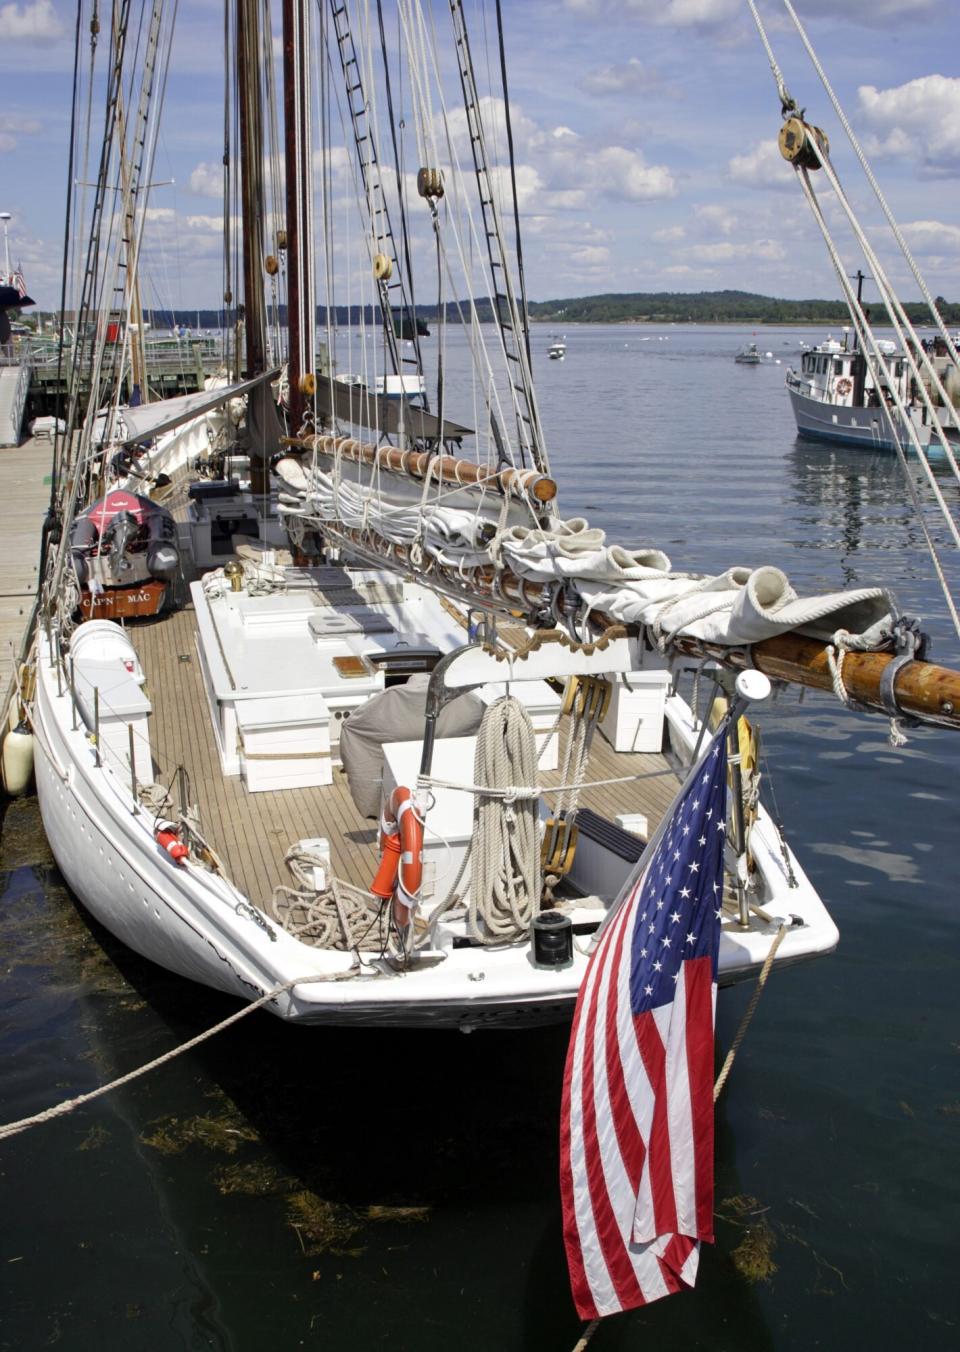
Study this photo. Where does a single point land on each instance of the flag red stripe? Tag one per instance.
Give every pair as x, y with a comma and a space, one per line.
579, 1286
612, 1246
672, 1260
631, 1143
579, 1282
660, 1165
698, 978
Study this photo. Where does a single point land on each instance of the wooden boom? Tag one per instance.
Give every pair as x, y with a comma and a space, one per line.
524, 483
922, 690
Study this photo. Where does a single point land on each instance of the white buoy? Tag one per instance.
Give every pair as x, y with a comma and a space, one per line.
17, 759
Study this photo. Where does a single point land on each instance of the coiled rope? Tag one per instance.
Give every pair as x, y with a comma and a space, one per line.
505, 894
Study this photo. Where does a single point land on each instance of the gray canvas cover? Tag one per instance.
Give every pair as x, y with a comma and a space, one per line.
396, 715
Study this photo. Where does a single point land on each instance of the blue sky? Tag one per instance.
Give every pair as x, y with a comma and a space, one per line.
645, 134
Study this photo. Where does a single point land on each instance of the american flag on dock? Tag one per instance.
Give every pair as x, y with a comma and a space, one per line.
636, 1145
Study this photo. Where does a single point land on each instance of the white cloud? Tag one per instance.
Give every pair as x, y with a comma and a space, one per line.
769, 250
715, 218
206, 180
666, 13
669, 234
623, 78
35, 23
927, 237
590, 256
625, 173
870, 12
918, 120
761, 167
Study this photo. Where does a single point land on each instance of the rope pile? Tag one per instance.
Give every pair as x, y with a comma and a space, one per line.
337, 916
505, 894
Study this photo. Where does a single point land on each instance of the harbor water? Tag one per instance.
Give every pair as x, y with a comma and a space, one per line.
284, 1188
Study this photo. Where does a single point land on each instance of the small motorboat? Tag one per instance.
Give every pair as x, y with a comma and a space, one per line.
557, 351
124, 553
748, 356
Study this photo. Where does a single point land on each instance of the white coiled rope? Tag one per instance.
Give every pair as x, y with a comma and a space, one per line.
505, 892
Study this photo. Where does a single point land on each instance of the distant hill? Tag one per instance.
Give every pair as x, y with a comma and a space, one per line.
709, 307
654, 307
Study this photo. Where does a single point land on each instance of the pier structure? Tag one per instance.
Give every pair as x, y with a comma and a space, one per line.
24, 498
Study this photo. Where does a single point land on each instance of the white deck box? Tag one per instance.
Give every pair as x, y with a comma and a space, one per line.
284, 742
634, 719
122, 705
450, 820
542, 703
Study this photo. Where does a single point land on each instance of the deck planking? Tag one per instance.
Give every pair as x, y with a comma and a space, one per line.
251, 832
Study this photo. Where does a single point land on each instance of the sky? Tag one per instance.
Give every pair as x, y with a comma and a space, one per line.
645, 136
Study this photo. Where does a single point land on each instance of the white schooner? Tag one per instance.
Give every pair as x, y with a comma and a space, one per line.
331, 704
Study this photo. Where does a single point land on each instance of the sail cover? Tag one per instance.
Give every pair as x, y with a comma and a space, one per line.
358, 404
149, 420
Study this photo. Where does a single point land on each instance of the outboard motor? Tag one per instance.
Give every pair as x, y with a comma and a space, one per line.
120, 535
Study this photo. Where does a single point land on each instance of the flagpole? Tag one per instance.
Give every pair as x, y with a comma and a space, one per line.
5, 217
750, 687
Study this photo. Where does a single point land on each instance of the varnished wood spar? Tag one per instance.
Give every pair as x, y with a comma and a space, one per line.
524, 483
922, 689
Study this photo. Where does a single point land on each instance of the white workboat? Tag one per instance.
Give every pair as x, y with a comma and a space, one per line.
837, 397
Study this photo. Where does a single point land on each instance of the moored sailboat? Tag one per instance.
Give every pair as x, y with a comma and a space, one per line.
362, 567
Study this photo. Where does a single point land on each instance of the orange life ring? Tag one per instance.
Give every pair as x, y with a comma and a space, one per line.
844, 385
400, 874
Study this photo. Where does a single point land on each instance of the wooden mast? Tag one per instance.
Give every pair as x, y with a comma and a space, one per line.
301, 305
251, 180
262, 427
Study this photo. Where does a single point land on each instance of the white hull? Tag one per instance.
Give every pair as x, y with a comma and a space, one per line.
193, 923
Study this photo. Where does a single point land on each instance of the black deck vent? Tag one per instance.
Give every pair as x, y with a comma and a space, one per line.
612, 837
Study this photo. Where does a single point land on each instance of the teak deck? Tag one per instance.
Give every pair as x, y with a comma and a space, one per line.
253, 831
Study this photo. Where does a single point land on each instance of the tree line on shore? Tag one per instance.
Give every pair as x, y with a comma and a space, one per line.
654, 307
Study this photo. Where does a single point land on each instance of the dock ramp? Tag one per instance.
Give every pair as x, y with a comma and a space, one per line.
14, 384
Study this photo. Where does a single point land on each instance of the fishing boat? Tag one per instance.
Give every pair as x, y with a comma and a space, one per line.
557, 350
748, 355
393, 745
836, 397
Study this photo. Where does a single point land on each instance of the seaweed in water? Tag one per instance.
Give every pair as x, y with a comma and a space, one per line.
753, 1256
224, 1133
257, 1179
321, 1226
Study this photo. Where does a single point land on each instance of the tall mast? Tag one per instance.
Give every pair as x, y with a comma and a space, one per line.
301, 304
251, 181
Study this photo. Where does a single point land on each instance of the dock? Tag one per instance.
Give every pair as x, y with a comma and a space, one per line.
24, 498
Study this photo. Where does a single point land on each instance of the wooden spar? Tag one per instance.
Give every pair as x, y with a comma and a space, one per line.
524, 483
293, 120
251, 181
922, 689
483, 588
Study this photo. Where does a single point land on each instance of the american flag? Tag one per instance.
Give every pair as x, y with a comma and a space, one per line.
16, 280
636, 1144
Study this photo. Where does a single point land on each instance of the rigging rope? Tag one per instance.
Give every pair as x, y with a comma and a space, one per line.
9, 1129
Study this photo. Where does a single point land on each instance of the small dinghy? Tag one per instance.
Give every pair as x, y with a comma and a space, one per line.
124, 552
